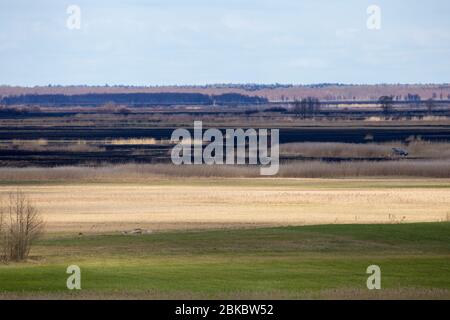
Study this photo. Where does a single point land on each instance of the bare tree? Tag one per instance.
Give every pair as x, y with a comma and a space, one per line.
313, 105
430, 105
20, 225
300, 108
386, 103
307, 106
2, 232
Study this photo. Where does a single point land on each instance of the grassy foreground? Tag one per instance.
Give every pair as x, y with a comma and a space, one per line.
326, 261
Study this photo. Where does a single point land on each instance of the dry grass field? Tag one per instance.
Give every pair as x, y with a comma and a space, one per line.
203, 203
231, 238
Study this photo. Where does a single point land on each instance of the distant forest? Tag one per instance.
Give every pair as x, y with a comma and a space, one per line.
136, 99
228, 93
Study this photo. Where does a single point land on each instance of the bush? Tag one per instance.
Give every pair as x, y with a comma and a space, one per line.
20, 225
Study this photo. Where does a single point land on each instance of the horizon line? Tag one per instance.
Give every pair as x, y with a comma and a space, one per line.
230, 84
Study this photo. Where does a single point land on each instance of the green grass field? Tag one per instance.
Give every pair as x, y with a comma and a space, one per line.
326, 261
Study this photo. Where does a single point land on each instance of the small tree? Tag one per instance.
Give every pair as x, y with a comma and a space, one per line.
430, 105
386, 103
307, 106
2, 232
313, 105
300, 108
20, 225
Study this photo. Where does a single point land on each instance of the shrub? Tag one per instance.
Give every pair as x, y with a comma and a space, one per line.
20, 225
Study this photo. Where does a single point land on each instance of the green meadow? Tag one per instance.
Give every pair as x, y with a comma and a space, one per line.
327, 261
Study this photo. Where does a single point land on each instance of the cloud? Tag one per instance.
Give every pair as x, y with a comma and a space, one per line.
173, 41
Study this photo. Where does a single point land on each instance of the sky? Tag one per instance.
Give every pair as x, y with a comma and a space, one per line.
196, 42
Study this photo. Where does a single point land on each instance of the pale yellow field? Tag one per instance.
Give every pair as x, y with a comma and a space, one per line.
236, 202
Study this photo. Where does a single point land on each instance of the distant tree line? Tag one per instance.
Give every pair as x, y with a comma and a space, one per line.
307, 107
132, 99
413, 97
387, 103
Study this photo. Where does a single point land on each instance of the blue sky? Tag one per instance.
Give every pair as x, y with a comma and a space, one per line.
157, 42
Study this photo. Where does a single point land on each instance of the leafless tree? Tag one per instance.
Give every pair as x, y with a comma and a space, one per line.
386, 103
307, 106
430, 105
20, 225
2, 232
313, 105
300, 108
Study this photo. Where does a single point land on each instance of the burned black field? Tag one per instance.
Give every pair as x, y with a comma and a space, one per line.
159, 150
